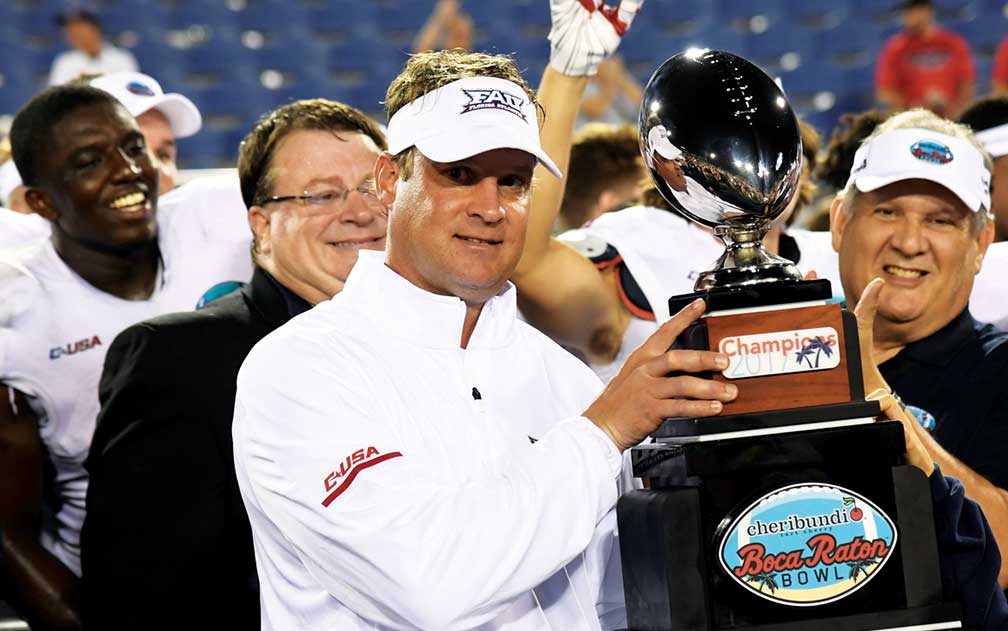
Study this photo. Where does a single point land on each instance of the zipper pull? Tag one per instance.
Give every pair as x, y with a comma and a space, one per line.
476, 394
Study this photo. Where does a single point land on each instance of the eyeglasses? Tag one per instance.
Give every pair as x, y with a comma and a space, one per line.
327, 198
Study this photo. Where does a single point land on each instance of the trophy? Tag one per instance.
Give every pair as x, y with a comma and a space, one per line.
794, 509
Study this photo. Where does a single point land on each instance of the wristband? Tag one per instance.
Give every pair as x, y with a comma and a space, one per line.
924, 418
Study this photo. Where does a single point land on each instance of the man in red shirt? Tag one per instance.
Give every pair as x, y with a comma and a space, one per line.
925, 65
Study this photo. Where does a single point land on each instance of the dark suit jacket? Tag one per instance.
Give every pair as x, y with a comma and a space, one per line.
166, 542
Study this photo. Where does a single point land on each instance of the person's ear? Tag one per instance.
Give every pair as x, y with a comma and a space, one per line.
259, 221
386, 178
837, 221
38, 201
984, 239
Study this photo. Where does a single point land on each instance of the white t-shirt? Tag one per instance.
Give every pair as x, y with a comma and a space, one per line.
989, 300
391, 478
666, 254
55, 329
18, 230
73, 63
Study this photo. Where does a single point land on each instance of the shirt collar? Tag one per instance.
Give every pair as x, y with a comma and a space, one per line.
401, 309
940, 347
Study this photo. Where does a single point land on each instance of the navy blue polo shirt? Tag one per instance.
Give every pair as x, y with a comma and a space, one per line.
960, 375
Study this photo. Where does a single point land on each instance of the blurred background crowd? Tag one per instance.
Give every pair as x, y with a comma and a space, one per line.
237, 59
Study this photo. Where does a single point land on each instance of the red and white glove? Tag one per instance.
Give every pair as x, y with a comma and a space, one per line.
586, 32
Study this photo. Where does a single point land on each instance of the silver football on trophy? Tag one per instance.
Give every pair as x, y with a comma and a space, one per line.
723, 147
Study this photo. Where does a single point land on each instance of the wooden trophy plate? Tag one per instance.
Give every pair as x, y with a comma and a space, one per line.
782, 358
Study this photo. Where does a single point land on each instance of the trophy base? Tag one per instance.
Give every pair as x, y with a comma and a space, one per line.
931, 618
777, 422
686, 566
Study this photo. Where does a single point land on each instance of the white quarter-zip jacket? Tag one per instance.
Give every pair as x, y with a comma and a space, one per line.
397, 481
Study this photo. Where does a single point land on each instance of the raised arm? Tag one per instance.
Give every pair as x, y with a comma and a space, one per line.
36, 583
560, 291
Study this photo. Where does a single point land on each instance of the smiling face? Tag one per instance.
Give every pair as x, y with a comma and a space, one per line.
311, 248
918, 237
458, 228
98, 185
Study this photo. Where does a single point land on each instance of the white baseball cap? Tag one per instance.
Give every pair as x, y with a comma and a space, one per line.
139, 92
994, 140
468, 117
907, 154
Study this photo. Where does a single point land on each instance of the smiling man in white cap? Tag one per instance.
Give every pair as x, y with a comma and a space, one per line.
162, 118
916, 213
411, 455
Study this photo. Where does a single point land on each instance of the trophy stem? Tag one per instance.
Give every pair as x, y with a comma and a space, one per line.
745, 260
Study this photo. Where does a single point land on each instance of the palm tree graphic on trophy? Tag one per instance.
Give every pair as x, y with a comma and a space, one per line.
816, 345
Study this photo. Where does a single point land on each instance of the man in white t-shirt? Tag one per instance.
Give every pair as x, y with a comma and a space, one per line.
162, 119
111, 261
91, 54
410, 454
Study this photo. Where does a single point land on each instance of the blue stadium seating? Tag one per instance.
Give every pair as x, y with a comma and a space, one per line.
744, 10
217, 51
816, 14
780, 47
681, 18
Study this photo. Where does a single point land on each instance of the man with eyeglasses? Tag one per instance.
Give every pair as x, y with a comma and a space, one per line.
166, 522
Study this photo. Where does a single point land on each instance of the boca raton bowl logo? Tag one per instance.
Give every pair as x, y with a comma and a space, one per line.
931, 151
807, 544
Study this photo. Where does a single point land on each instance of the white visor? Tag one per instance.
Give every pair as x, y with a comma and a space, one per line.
10, 179
139, 92
468, 117
994, 140
907, 154
659, 143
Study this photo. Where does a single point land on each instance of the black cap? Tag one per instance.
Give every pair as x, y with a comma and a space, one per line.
77, 13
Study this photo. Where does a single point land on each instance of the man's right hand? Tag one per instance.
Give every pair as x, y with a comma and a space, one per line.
642, 395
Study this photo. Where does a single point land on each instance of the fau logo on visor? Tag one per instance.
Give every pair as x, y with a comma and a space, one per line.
494, 99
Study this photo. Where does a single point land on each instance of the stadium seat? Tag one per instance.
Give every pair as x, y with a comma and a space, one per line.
720, 37
272, 16
210, 148
336, 20
875, 11
853, 45
744, 13
984, 72
781, 47
16, 91
985, 33
682, 17
817, 14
